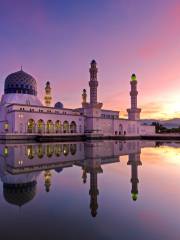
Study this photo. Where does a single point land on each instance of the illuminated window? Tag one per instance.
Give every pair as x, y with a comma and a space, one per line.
40, 151
30, 152
65, 149
6, 151
6, 126
58, 150
49, 150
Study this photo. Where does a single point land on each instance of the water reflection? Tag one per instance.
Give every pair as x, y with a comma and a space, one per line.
22, 164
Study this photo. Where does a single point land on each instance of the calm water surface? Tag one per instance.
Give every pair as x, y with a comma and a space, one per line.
92, 190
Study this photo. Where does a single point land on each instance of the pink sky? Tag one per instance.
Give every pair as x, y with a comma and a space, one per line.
55, 41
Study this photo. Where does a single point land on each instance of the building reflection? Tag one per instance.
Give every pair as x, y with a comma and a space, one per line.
22, 164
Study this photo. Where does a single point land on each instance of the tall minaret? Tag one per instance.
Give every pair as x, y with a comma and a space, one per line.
134, 111
93, 83
47, 97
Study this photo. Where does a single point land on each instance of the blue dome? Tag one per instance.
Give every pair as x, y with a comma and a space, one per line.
58, 105
19, 194
20, 82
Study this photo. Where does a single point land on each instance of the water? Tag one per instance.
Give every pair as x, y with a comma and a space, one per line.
93, 190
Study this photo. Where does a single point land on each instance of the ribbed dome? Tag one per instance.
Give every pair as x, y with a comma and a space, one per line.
20, 82
19, 194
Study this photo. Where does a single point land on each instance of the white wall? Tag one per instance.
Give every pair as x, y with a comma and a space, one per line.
147, 130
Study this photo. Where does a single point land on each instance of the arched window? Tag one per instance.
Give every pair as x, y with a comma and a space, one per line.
58, 127
40, 126
120, 129
6, 152
30, 151
49, 127
58, 150
73, 127
120, 146
65, 149
31, 126
40, 151
49, 150
73, 149
65, 127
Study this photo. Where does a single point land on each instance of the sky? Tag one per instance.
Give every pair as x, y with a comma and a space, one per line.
55, 40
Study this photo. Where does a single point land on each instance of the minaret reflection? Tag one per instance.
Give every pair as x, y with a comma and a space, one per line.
94, 192
84, 175
92, 165
134, 161
47, 180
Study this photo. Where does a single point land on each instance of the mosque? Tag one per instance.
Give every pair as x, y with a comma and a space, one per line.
23, 114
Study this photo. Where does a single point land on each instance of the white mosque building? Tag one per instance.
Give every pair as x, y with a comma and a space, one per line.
23, 114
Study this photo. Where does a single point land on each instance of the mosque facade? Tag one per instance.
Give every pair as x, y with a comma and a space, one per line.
22, 112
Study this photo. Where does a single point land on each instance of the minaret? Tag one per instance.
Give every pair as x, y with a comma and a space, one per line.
93, 83
134, 111
134, 161
84, 98
47, 97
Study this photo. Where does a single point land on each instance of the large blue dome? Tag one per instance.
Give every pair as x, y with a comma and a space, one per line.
19, 194
20, 82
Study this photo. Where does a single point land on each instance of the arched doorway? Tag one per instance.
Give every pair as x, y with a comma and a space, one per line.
65, 127
120, 129
73, 127
40, 126
49, 127
31, 126
58, 127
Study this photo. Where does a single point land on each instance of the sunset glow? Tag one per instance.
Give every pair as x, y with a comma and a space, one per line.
56, 40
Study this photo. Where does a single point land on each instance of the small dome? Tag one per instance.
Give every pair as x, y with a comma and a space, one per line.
58, 170
133, 77
93, 62
134, 196
20, 82
58, 105
19, 194
48, 84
